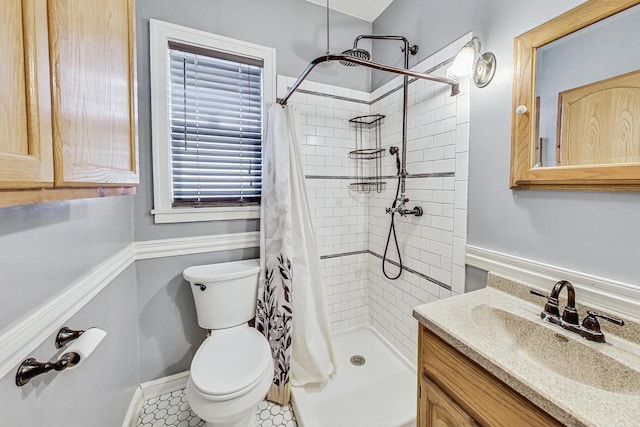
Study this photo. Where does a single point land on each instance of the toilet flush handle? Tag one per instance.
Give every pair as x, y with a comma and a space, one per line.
201, 286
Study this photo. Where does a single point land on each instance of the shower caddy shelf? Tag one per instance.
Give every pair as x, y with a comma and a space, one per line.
366, 153
365, 183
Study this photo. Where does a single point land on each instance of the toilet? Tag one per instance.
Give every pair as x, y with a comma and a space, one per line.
233, 369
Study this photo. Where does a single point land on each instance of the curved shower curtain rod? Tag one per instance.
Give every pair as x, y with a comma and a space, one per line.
369, 64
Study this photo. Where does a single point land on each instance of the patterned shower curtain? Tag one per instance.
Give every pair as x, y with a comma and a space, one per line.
291, 307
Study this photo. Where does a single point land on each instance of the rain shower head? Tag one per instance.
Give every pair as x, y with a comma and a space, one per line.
355, 53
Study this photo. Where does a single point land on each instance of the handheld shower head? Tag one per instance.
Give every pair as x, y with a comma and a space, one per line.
355, 53
394, 150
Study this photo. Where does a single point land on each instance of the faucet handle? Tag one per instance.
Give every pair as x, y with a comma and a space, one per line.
591, 321
551, 307
538, 293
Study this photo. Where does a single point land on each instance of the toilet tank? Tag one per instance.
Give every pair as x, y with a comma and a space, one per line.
225, 294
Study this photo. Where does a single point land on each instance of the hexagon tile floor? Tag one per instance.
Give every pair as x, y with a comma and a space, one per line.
172, 410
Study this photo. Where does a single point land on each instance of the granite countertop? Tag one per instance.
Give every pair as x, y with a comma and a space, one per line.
572, 379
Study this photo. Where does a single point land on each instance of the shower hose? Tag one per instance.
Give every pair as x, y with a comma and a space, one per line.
392, 227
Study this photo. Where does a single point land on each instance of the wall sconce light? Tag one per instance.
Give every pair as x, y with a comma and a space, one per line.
465, 65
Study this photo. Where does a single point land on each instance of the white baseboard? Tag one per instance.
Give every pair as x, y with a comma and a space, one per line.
609, 294
135, 406
164, 385
151, 389
22, 337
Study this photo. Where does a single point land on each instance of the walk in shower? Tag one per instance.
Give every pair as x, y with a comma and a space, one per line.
423, 129
360, 57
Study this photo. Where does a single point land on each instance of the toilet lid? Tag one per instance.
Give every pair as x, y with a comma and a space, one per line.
230, 360
221, 272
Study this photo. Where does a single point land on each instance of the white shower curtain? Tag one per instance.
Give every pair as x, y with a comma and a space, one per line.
292, 311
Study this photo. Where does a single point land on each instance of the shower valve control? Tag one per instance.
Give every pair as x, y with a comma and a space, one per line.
403, 211
416, 211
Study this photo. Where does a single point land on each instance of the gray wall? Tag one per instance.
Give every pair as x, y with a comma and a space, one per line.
96, 393
295, 28
46, 247
430, 24
475, 278
594, 233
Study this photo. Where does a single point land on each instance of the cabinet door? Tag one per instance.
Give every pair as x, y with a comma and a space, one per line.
439, 410
490, 401
26, 159
93, 78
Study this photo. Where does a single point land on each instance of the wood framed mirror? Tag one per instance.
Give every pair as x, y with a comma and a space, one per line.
574, 127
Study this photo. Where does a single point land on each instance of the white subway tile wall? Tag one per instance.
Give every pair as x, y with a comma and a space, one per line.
340, 215
352, 227
345, 279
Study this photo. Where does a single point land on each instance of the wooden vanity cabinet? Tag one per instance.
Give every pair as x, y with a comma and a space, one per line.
68, 105
455, 391
439, 409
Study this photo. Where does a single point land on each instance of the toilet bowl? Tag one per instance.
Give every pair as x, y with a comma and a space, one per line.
230, 374
233, 368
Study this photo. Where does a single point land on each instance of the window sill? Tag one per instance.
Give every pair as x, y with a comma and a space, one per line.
227, 213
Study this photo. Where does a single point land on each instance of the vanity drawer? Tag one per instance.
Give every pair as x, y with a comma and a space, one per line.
485, 398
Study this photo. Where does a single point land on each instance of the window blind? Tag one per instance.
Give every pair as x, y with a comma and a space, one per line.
216, 127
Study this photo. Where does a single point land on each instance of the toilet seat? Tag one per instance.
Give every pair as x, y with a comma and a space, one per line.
231, 362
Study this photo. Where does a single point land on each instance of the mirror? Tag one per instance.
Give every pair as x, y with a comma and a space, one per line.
576, 101
578, 76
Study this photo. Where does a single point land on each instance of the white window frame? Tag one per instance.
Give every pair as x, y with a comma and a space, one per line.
161, 33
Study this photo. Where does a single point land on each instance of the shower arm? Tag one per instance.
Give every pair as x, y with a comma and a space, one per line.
412, 49
369, 64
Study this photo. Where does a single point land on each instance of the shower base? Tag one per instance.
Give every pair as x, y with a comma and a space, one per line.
376, 388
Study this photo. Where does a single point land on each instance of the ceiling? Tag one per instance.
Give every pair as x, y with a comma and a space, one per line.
367, 10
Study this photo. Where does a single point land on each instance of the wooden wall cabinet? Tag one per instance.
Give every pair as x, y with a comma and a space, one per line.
68, 106
26, 150
454, 391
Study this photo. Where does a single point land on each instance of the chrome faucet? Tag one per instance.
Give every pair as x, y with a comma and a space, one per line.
570, 320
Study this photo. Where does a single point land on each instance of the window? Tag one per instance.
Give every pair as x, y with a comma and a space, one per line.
208, 94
